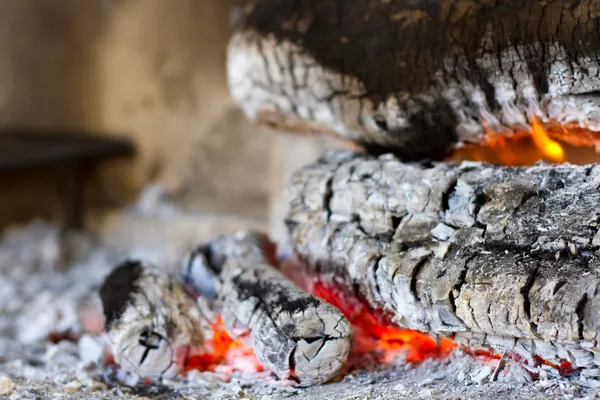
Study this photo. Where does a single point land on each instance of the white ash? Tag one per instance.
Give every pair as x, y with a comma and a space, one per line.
154, 201
47, 302
38, 369
35, 247
7, 386
91, 348
152, 327
35, 299
157, 230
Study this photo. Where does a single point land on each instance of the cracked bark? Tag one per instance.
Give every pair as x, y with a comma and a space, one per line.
417, 77
498, 256
292, 333
150, 320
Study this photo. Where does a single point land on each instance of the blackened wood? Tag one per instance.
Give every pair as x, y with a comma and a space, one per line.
117, 290
417, 77
292, 333
150, 320
510, 252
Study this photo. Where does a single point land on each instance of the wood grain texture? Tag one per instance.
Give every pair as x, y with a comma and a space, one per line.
471, 249
150, 320
294, 334
417, 77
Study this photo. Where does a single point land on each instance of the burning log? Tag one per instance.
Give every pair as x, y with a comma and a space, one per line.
420, 77
151, 321
294, 334
495, 256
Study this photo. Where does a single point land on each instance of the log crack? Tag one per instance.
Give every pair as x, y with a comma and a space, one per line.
579, 311
443, 272
526, 300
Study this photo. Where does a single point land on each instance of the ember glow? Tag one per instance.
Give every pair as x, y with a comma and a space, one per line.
379, 340
376, 337
564, 368
222, 353
541, 142
548, 147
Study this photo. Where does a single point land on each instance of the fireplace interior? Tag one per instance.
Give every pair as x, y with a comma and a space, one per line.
423, 222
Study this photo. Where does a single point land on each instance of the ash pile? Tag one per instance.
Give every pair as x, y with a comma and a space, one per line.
53, 345
53, 340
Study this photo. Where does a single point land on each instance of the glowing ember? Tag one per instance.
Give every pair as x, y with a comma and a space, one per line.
56, 337
377, 337
221, 350
565, 368
546, 142
374, 335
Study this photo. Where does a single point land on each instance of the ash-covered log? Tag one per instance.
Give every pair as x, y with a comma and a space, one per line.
151, 321
418, 77
294, 334
479, 251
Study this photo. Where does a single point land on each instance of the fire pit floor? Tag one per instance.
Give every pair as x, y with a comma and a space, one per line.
38, 304
455, 378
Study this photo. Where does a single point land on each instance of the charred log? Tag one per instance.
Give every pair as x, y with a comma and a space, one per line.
150, 320
417, 77
292, 333
577, 356
472, 250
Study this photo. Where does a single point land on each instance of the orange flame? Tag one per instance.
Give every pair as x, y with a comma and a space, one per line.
547, 146
526, 147
221, 350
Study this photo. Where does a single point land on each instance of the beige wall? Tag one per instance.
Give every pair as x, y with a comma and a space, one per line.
47, 68
150, 69
153, 70
47, 79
